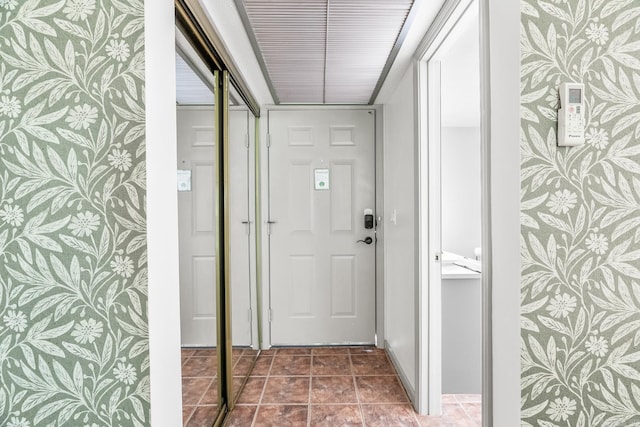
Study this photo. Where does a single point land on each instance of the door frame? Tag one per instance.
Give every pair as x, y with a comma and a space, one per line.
429, 349
263, 173
252, 215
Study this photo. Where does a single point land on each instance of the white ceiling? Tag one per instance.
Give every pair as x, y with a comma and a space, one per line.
325, 51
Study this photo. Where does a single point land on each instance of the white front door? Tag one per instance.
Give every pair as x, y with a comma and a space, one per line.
197, 225
321, 180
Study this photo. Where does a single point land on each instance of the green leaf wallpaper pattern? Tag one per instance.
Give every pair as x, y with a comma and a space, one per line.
73, 281
580, 216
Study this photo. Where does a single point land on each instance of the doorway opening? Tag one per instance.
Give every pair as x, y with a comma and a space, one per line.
453, 221
460, 207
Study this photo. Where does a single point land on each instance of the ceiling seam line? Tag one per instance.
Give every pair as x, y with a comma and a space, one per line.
326, 49
395, 49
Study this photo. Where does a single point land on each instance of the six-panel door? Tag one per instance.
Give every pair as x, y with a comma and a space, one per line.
321, 180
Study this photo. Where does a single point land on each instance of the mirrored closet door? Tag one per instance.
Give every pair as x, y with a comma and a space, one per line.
217, 233
198, 230
241, 128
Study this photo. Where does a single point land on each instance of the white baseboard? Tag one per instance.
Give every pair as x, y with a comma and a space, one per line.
403, 378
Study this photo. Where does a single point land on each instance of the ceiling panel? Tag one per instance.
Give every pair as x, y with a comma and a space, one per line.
190, 89
291, 37
324, 51
360, 37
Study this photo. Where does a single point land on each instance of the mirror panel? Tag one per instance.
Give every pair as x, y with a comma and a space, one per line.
241, 127
198, 225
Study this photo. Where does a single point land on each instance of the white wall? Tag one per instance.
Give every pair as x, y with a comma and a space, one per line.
162, 215
399, 227
503, 21
461, 221
462, 336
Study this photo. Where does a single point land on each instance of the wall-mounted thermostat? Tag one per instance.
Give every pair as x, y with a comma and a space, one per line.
571, 115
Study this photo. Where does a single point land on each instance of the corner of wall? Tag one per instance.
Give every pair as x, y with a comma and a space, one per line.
500, 23
162, 212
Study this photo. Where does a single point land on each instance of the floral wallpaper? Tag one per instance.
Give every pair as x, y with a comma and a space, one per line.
580, 216
73, 282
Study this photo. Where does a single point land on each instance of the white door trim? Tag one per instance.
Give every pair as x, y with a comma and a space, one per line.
429, 312
253, 250
264, 201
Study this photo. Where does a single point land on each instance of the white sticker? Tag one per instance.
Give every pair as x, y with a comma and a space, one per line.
184, 180
322, 179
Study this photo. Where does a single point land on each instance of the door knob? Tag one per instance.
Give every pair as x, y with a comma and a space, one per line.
366, 240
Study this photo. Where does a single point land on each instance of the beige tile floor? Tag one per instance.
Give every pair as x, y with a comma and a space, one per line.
337, 386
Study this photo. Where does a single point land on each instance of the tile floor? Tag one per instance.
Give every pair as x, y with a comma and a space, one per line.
199, 387
200, 382
337, 386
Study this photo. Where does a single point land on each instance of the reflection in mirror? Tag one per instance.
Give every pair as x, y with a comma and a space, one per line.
241, 241
196, 186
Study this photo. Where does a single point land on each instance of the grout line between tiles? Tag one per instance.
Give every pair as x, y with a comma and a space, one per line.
264, 389
355, 387
205, 392
193, 410
469, 417
309, 396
